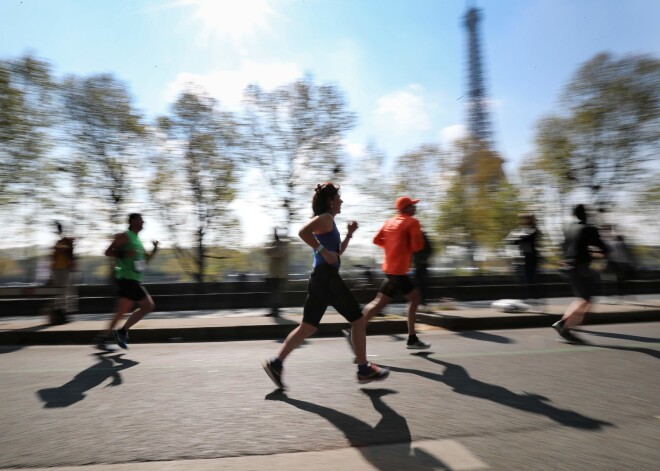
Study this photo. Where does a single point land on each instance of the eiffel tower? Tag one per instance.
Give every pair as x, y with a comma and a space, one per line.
480, 162
479, 126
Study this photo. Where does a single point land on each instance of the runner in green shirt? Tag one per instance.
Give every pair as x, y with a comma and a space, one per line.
130, 261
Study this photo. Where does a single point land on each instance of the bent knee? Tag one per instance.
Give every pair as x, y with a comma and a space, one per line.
148, 305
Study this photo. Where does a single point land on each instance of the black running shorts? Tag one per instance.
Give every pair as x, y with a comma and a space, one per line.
583, 282
326, 288
393, 283
131, 289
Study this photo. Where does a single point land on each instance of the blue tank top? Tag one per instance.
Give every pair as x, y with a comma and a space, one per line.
331, 241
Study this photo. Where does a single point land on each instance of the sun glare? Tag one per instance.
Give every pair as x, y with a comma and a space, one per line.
234, 19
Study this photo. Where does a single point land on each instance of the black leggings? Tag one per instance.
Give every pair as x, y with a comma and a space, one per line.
326, 288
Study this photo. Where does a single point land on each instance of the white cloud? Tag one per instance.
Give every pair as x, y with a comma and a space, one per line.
403, 111
451, 133
228, 85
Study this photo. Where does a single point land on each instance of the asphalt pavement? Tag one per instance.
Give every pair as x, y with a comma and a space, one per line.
507, 399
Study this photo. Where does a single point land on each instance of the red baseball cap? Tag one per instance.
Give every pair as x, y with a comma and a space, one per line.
404, 202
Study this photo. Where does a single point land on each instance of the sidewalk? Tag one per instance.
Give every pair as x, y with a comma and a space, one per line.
252, 324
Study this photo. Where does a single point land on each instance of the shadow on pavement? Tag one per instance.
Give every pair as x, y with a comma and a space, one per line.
14, 348
460, 380
484, 336
614, 335
624, 348
74, 391
391, 429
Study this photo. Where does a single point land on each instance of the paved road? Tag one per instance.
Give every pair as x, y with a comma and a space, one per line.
506, 399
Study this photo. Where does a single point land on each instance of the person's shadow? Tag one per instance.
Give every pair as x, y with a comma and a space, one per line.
484, 336
74, 391
392, 430
460, 380
635, 338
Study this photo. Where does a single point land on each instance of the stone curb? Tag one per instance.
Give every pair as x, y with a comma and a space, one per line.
36, 336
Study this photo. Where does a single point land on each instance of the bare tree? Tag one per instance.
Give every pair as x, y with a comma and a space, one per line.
295, 135
194, 175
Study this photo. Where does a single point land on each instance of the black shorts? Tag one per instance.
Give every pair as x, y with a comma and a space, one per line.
131, 289
393, 283
326, 288
583, 282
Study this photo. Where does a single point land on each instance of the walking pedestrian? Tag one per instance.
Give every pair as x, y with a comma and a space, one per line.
130, 262
277, 253
326, 287
620, 262
526, 239
400, 237
579, 237
62, 267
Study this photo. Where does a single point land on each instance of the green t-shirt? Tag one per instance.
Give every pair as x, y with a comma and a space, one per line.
131, 268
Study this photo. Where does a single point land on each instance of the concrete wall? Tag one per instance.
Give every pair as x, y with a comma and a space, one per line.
254, 294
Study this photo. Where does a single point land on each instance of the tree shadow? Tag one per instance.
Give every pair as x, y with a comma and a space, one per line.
74, 391
391, 430
485, 336
460, 380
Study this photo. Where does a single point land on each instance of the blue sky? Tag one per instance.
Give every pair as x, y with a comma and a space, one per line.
400, 63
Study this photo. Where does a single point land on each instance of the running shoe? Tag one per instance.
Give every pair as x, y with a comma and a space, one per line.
273, 373
558, 326
417, 345
373, 373
121, 337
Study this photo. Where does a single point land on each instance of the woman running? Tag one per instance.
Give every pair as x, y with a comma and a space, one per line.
326, 287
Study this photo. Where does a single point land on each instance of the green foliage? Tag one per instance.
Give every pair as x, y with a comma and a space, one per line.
105, 130
609, 131
480, 205
27, 97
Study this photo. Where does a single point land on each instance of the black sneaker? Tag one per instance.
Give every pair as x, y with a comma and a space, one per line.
374, 373
121, 338
273, 373
416, 344
347, 335
558, 326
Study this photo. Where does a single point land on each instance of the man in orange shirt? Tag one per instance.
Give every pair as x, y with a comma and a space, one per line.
400, 236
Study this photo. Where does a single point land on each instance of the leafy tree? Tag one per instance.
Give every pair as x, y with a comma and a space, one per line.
610, 130
27, 101
480, 205
194, 175
105, 132
419, 175
295, 135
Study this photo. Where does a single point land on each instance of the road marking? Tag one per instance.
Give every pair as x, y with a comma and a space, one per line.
454, 455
